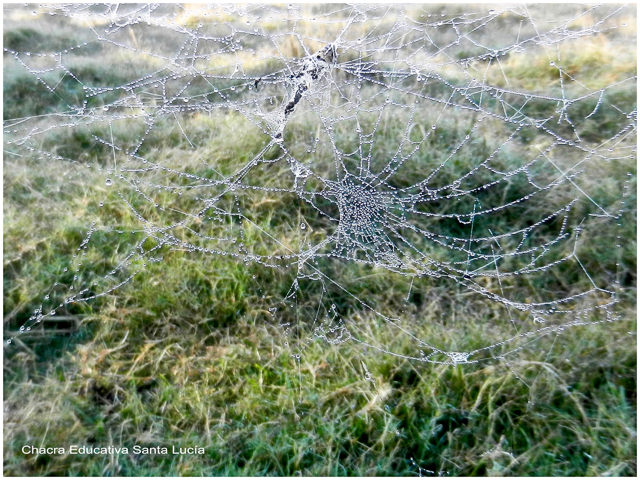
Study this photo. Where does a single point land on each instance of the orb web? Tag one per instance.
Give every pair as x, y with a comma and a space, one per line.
408, 142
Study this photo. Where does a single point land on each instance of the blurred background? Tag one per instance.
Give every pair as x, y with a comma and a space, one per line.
119, 120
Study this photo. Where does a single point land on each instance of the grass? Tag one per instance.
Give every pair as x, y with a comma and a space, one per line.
238, 391
191, 352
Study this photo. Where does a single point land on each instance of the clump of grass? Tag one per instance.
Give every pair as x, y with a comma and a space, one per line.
27, 39
26, 94
238, 391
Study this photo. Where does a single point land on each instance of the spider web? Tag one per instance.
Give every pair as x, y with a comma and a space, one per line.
399, 131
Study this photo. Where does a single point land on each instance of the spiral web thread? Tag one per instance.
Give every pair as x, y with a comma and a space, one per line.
370, 88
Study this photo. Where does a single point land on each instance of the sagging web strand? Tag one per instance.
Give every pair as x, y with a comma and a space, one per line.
373, 65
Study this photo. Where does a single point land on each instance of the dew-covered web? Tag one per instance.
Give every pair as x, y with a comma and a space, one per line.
454, 150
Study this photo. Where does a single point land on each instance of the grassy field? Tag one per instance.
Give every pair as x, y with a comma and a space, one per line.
189, 352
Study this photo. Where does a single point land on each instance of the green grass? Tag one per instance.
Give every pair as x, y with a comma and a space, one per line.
190, 351
237, 391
